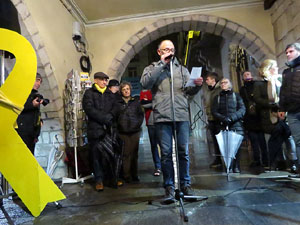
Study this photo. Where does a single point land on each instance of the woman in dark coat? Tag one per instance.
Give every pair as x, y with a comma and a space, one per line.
266, 96
228, 109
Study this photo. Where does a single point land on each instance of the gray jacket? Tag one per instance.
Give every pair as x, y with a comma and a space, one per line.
157, 78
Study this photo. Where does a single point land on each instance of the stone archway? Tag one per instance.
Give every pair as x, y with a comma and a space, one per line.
205, 23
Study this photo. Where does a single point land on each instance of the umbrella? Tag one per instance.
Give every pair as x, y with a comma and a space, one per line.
53, 158
17, 164
229, 143
111, 148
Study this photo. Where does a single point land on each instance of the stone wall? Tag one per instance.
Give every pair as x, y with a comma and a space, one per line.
286, 23
52, 114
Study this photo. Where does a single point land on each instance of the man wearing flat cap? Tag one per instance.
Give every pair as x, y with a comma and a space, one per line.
100, 107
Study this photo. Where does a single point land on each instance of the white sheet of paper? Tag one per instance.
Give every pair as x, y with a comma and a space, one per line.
196, 73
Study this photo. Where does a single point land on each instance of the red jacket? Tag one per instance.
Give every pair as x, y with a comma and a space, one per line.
146, 97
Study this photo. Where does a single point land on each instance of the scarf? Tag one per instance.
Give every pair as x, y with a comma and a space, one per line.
101, 90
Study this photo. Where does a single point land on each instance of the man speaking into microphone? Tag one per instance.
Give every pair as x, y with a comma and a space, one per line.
157, 77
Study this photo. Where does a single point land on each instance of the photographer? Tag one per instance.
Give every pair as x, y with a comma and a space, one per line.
29, 121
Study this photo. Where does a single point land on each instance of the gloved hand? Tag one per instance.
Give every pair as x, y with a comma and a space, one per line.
226, 121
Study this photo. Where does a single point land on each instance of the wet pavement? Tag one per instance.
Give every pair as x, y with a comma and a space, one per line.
252, 197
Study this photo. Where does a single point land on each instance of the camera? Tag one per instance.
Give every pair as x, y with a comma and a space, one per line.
40, 97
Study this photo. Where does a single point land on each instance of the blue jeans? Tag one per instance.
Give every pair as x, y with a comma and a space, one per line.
154, 148
165, 133
294, 124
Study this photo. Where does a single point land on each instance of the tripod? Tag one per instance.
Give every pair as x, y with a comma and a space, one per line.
179, 196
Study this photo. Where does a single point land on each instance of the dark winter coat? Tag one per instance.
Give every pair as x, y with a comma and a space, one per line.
29, 121
261, 99
101, 110
131, 116
290, 89
224, 105
251, 121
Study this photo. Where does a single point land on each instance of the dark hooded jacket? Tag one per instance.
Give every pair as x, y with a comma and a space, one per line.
290, 89
224, 105
101, 110
251, 121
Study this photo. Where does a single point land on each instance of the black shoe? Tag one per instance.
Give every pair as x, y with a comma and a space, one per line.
169, 196
216, 164
188, 191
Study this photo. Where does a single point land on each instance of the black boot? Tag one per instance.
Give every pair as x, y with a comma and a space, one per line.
169, 195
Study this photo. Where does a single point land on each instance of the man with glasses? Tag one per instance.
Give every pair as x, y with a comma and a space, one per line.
157, 78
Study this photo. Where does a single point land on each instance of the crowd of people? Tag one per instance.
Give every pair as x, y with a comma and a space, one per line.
266, 111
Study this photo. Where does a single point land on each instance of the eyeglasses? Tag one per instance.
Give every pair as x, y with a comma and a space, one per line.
224, 82
168, 49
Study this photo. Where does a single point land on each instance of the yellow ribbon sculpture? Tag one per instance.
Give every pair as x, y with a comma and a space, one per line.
17, 164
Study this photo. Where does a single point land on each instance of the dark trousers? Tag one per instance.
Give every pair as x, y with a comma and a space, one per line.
279, 134
212, 126
28, 139
259, 146
95, 156
130, 155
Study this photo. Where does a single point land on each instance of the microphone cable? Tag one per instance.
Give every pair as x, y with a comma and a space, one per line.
198, 116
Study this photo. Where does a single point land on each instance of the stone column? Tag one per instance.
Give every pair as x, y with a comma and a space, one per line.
286, 22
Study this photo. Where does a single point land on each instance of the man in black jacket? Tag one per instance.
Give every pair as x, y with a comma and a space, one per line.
290, 92
29, 121
99, 105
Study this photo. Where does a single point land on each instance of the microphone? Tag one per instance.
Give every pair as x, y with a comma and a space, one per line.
169, 57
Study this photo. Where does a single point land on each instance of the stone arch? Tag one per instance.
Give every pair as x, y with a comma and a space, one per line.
31, 33
238, 34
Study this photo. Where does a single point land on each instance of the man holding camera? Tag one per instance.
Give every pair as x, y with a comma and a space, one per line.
29, 121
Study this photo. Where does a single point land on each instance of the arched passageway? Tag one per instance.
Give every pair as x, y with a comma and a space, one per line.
229, 30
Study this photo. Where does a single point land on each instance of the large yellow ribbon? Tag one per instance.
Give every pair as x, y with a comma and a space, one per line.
17, 164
